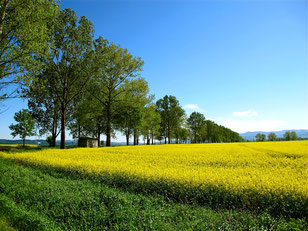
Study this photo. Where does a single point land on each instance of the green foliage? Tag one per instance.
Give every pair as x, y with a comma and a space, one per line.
4, 225
171, 115
217, 133
197, 125
24, 126
36, 198
287, 136
69, 65
272, 136
290, 135
25, 27
293, 136
150, 123
260, 137
50, 141
115, 66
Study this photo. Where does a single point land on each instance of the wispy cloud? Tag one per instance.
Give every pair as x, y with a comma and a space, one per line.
248, 113
254, 125
193, 107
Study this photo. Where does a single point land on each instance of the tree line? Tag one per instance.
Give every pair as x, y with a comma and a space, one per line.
88, 86
287, 136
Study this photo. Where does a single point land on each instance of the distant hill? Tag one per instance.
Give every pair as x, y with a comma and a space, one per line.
302, 133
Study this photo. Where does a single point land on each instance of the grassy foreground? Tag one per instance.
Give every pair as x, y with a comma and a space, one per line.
36, 199
263, 177
244, 186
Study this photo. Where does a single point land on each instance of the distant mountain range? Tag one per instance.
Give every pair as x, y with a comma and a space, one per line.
302, 133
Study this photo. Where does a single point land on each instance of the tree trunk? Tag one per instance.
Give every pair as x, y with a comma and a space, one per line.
79, 131
99, 139
152, 138
62, 145
99, 135
148, 139
169, 141
53, 142
165, 139
108, 133
135, 137
127, 139
53, 134
24, 142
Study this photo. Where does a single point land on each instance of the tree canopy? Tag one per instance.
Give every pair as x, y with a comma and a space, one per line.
25, 28
88, 86
24, 126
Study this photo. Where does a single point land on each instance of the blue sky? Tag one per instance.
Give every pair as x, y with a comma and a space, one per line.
243, 64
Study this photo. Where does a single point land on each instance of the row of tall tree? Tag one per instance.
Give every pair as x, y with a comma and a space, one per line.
288, 135
88, 86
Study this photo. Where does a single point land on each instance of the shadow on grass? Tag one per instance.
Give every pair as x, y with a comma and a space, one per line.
20, 148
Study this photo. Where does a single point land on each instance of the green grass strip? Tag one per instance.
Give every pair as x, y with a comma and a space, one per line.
33, 199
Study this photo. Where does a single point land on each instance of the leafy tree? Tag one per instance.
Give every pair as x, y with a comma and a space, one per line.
25, 27
44, 106
171, 115
272, 136
24, 126
151, 123
130, 106
86, 118
293, 136
49, 140
115, 66
183, 134
196, 123
260, 137
69, 64
287, 135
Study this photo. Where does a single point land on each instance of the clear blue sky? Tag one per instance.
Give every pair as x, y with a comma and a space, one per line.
243, 64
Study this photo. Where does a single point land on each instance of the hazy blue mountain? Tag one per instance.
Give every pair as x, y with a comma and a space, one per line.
302, 133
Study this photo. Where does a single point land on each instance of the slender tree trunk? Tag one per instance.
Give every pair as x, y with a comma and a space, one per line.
165, 139
169, 141
99, 138
148, 139
53, 134
135, 137
152, 138
24, 142
127, 139
99, 134
53, 144
79, 131
108, 133
62, 145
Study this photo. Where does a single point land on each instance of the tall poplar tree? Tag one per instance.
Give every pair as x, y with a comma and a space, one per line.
171, 115
115, 66
70, 63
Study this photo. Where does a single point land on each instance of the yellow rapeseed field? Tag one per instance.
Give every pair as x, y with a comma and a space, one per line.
279, 168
